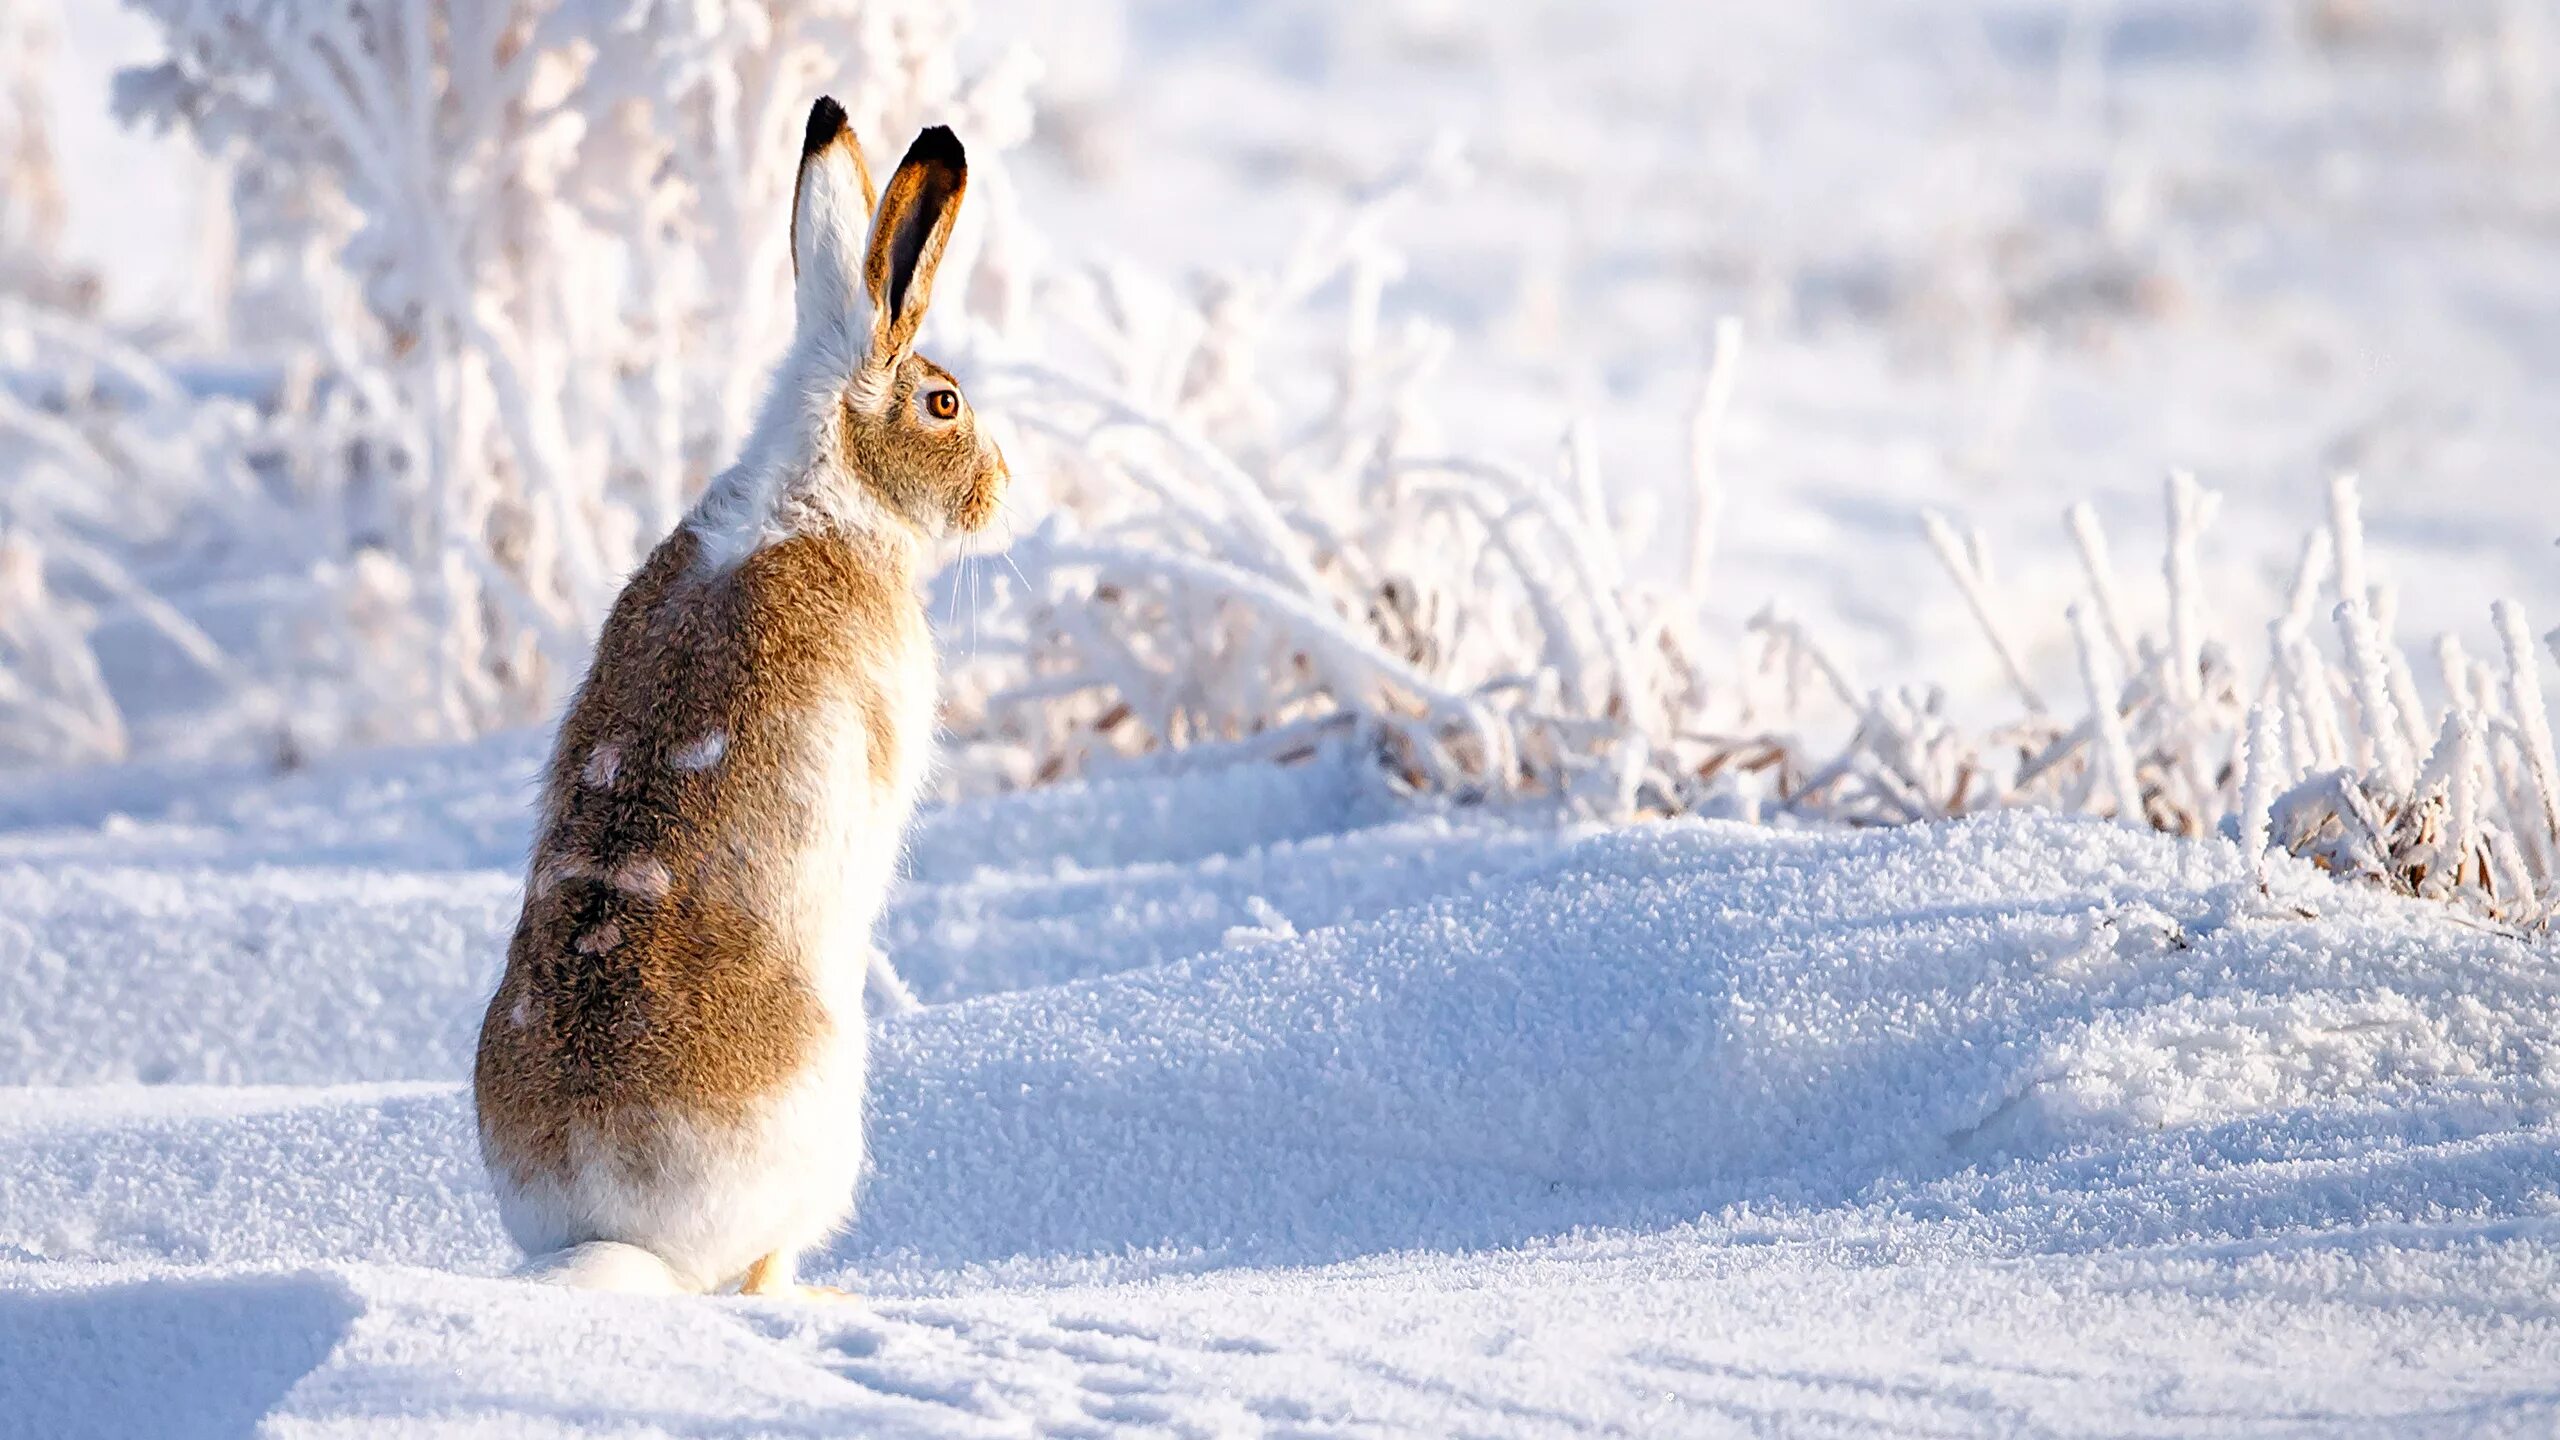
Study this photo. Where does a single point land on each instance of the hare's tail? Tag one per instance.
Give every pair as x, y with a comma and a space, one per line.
604, 1265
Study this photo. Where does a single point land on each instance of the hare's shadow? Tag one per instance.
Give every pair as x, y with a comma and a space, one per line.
185, 1360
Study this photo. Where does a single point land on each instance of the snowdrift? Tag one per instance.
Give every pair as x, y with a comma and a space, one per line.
1231, 1030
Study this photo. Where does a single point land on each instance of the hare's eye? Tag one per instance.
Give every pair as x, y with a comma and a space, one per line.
942, 404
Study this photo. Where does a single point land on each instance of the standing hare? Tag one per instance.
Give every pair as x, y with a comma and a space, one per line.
670, 1077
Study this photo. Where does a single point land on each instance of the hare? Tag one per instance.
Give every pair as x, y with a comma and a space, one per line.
670, 1077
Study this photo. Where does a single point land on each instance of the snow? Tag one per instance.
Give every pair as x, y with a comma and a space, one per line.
1373, 1122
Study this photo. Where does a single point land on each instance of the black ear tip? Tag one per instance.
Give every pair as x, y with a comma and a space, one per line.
826, 122
936, 145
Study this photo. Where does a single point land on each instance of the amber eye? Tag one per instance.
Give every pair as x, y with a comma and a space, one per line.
942, 404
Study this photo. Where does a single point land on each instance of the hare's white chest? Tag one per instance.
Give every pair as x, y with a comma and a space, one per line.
862, 788
915, 685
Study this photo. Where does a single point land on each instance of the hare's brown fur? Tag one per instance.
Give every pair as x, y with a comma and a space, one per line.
654, 974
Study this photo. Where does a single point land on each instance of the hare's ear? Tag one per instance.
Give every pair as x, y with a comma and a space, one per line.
831, 206
907, 236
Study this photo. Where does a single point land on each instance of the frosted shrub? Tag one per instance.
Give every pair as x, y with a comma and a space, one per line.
121, 478
1216, 565
533, 245
114, 469
2336, 759
1474, 626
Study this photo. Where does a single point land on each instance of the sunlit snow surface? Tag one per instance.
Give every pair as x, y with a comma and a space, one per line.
1248, 1105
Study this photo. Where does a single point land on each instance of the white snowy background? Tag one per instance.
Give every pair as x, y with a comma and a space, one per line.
1326, 1031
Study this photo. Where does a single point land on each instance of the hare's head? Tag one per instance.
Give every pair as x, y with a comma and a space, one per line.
900, 424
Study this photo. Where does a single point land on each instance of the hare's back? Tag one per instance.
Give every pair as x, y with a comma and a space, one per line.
712, 783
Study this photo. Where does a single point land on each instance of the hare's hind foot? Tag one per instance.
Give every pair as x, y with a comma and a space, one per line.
772, 1278
603, 1265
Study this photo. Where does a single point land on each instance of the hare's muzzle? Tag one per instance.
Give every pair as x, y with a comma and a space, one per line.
986, 488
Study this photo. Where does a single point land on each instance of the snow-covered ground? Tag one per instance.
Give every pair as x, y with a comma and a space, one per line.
1250, 1104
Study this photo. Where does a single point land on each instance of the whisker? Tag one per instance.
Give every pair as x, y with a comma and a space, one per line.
968, 553
1006, 554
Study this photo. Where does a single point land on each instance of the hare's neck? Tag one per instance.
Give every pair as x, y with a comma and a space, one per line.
744, 511
792, 479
